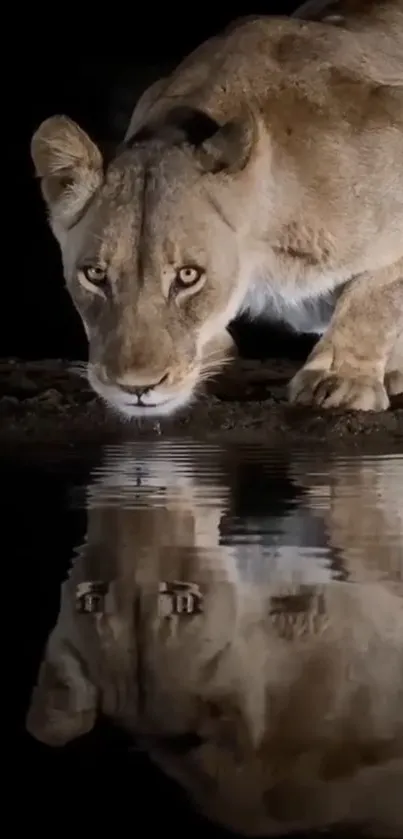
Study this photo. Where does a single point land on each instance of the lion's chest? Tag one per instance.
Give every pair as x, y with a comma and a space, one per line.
303, 314
293, 275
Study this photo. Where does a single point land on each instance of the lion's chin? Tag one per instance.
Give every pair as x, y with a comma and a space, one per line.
134, 410
128, 408
155, 404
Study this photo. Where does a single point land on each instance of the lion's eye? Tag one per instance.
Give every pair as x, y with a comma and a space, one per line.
188, 275
94, 279
94, 274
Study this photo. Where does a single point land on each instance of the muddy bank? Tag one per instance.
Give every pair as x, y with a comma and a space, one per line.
43, 402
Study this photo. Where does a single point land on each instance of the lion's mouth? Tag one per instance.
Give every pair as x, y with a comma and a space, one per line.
135, 408
136, 405
139, 404
165, 407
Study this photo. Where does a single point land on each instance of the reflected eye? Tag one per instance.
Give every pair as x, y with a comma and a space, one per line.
188, 275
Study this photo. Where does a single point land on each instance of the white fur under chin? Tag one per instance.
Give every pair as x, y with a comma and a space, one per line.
164, 409
121, 404
302, 315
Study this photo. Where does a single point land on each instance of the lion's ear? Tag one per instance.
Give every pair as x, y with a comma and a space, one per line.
64, 702
69, 165
218, 148
229, 148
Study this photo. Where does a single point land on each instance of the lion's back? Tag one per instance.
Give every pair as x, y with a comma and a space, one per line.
258, 59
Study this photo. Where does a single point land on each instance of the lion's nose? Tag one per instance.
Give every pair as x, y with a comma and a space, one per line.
133, 384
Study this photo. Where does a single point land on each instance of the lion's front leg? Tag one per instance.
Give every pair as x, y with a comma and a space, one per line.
348, 365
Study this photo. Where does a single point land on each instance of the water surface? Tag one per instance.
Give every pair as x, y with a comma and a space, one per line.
236, 613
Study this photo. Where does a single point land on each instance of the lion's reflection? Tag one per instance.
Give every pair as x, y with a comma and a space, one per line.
275, 700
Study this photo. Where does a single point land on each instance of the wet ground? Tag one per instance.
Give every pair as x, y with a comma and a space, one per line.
45, 402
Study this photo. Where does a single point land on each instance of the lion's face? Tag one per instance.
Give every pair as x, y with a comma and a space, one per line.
151, 260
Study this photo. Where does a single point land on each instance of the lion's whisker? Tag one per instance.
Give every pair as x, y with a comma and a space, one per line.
79, 368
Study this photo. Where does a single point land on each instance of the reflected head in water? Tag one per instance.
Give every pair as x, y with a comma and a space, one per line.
276, 698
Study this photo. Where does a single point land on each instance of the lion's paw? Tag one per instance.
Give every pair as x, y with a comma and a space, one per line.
328, 390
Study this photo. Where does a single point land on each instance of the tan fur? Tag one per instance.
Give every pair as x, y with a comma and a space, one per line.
360, 505
296, 690
289, 200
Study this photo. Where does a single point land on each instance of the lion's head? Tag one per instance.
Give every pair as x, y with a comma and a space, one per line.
151, 248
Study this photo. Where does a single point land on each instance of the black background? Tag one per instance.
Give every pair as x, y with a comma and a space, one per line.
92, 65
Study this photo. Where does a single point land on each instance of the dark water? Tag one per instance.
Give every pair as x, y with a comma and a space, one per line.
218, 633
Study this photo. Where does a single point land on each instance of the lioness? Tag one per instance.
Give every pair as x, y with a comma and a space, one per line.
278, 703
264, 175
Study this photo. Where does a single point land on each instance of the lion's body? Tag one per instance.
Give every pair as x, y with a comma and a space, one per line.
293, 208
320, 137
